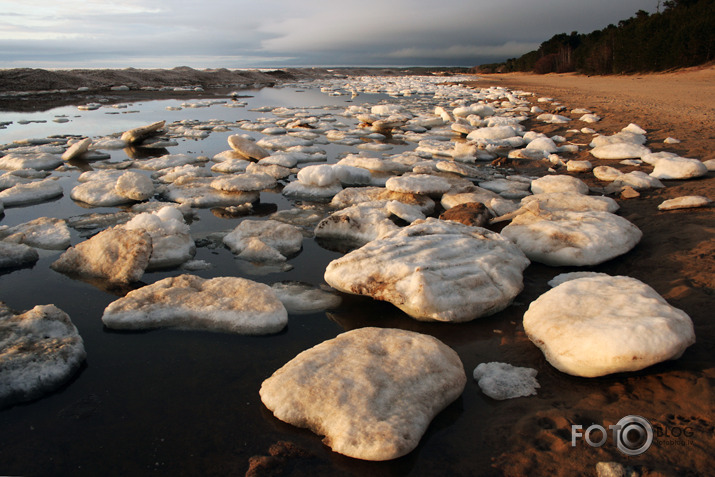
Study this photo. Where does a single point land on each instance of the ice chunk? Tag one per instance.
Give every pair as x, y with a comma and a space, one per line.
302, 298
117, 255
188, 302
99, 193
380, 389
31, 193
678, 168
418, 184
564, 237
408, 213
77, 149
44, 232
244, 183
264, 240
197, 192
40, 161
504, 381
136, 135
168, 161
171, 242
16, 255
434, 271
320, 176
601, 325
565, 277
606, 173
360, 195
684, 202
298, 190
356, 225
247, 147
492, 133
620, 150
572, 201
134, 186
558, 183
39, 351
636, 179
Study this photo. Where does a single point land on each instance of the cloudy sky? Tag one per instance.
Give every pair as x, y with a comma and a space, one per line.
273, 33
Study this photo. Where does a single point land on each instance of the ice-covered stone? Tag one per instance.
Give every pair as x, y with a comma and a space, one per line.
44, 232
558, 183
418, 184
134, 186
684, 202
31, 193
117, 255
504, 381
380, 389
188, 302
264, 240
492, 133
565, 277
434, 271
171, 242
40, 350
493, 201
16, 255
601, 325
564, 237
578, 166
303, 298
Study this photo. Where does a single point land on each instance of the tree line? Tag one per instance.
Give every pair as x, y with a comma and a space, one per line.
681, 35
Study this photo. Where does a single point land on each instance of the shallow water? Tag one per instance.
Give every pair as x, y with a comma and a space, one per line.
186, 402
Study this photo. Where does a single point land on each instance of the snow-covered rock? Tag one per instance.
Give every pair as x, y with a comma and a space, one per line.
558, 183
684, 202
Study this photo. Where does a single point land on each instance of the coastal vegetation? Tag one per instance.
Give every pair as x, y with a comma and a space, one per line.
679, 34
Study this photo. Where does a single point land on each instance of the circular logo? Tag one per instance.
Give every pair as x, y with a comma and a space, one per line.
634, 435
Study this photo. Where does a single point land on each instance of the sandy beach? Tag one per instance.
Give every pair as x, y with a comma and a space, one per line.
676, 256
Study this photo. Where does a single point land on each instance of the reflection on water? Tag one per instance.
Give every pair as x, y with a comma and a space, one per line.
187, 402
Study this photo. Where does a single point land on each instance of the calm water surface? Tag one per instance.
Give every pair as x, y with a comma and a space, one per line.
186, 402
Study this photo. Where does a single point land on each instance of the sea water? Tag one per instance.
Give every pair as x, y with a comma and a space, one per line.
186, 402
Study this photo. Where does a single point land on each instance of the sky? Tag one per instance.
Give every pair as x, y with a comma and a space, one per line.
285, 33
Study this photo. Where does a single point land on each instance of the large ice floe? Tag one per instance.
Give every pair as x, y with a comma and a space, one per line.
600, 325
434, 270
378, 390
567, 237
44, 232
39, 351
226, 304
